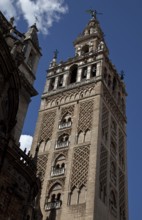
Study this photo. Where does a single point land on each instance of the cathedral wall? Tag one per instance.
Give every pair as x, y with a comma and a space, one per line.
24, 100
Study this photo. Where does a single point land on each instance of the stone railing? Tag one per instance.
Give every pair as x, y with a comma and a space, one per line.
62, 144
53, 205
65, 125
57, 171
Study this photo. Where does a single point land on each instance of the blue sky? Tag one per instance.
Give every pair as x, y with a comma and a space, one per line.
121, 23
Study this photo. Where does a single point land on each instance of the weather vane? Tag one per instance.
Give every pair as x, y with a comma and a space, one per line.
56, 54
93, 13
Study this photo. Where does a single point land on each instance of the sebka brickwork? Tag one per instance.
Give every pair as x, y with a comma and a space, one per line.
81, 129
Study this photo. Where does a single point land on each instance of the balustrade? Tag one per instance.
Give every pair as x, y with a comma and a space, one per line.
53, 205
57, 171
62, 144
65, 125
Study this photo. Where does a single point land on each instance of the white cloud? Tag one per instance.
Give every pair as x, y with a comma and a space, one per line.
43, 12
7, 7
26, 142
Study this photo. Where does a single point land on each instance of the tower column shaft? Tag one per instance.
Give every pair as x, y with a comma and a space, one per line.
56, 82
79, 75
65, 80
88, 72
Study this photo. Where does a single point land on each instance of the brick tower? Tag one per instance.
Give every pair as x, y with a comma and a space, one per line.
81, 135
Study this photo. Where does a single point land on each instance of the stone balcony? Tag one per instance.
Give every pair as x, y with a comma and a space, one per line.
53, 205
65, 125
57, 171
63, 144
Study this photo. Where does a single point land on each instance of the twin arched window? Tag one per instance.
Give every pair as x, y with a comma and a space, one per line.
66, 121
59, 166
54, 198
77, 196
44, 146
63, 141
84, 136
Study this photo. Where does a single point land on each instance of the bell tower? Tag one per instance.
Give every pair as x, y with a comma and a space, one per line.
81, 135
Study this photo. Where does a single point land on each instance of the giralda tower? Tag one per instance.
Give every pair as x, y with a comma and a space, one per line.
80, 135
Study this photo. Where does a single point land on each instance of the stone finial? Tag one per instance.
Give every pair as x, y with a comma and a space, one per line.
55, 54
12, 20
122, 74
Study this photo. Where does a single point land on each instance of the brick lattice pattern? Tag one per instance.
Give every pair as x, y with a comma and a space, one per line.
103, 166
47, 125
41, 165
80, 166
122, 204
85, 116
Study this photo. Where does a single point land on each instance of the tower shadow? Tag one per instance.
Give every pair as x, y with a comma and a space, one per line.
52, 215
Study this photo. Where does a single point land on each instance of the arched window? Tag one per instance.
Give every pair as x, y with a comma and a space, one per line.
41, 147
82, 195
62, 165
80, 138
53, 197
77, 196
87, 136
74, 196
47, 145
60, 81
85, 49
73, 74
112, 203
84, 73
66, 121
93, 70
63, 141
54, 200
58, 196
51, 85
58, 166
